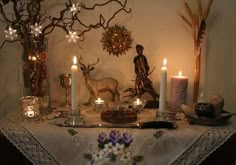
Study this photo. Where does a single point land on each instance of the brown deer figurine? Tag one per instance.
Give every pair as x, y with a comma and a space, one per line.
97, 86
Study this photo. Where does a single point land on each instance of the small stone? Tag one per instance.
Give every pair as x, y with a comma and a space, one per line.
218, 102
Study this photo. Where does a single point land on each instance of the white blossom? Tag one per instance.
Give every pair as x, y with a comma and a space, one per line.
11, 33
75, 8
72, 36
36, 29
108, 147
118, 149
98, 156
126, 157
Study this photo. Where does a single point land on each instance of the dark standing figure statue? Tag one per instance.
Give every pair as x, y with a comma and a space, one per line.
142, 83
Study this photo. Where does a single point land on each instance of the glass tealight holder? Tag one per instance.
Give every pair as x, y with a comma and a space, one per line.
138, 105
99, 105
29, 106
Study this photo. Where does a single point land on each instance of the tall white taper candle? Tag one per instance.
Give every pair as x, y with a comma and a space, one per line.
163, 83
74, 85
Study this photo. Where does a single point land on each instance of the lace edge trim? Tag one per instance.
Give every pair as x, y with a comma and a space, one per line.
220, 142
24, 151
216, 147
188, 146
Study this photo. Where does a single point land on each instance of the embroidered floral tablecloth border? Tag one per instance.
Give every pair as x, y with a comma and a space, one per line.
32, 149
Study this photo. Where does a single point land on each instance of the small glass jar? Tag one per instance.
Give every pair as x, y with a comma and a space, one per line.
99, 105
29, 106
138, 105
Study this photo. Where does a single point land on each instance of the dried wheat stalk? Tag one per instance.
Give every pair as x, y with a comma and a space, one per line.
195, 18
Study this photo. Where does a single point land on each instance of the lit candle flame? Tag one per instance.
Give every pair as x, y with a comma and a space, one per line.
74, 60
138, 101
164, 62
180, 73
32, 58
99, 101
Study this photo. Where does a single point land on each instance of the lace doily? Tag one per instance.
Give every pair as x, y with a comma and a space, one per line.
26, 143
206, 144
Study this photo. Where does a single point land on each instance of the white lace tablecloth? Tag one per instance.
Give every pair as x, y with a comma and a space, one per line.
43, 143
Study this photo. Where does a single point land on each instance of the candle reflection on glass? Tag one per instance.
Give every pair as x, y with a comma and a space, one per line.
29, 113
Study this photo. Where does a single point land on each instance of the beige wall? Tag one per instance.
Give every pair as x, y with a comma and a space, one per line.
154, 24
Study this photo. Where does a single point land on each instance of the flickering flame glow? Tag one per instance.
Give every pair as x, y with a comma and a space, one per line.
164, 62
180, 73
74, 60
99, 101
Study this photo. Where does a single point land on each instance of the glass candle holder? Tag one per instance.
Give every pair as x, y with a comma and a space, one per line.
29, 106
99, 104
138, 105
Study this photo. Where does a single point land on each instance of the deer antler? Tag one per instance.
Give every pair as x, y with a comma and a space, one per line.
82, 65
93, 64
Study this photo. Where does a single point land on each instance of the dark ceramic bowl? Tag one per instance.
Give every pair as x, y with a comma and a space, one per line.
204, 109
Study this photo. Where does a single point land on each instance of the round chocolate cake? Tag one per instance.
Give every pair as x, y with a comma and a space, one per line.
119, 116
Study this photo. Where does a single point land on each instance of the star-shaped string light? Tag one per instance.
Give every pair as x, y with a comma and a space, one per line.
72, 36
36, 29
11, 33
75, 8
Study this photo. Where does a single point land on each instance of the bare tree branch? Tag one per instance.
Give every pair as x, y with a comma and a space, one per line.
25, 14
6, 41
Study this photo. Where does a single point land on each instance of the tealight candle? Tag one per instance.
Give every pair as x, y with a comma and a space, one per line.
137, 105
29, 106
178, 91
99, 104
99, 101
138, 102
30, 113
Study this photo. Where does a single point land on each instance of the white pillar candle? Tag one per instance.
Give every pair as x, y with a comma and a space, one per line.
74, 85
178, 91
163, 83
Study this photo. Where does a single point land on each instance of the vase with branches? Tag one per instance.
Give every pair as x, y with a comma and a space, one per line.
195, 19
28, 23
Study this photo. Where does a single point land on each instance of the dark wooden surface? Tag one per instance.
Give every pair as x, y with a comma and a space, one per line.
224, 155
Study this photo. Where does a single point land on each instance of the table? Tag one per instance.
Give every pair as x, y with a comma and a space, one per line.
48, 142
